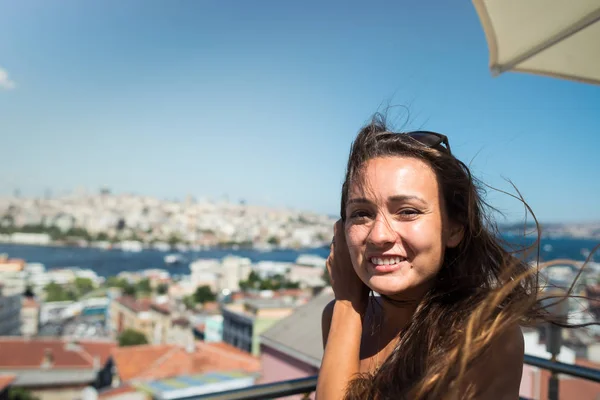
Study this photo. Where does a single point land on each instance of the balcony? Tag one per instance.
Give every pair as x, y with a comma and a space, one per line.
306, 386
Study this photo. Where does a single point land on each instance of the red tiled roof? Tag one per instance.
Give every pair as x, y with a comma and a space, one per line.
30, 353
181, 321
149, 362
6, 380
161, 308
132, 361
134, 304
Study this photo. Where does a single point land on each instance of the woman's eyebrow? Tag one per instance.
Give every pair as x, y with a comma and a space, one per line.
394, 199
401, 198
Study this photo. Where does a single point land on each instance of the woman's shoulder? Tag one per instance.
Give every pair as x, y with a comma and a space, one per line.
497, 373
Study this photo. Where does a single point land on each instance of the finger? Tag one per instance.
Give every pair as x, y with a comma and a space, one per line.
338, 232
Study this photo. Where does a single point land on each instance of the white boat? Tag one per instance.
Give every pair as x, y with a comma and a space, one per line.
132, 246
174, 259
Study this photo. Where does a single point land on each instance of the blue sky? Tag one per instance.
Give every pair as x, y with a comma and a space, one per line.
260, 100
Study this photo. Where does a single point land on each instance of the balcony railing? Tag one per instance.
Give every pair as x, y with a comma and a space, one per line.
305, 386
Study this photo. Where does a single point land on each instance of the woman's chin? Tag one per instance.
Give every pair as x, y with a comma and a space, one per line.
388, 286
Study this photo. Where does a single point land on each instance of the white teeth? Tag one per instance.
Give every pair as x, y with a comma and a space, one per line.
386, 261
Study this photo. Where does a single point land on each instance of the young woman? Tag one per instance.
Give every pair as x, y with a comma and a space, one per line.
414, 230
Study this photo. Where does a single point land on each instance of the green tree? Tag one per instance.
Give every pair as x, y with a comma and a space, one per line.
163, 288
174, 239
84, 285
274, 240
55, 292
204, 294
102, 237
143, 286
131, 337
17, 393
113, 281
189, 302
129, 290
78, 232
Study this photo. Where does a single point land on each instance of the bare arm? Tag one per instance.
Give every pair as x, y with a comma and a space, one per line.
342, 330
341, 322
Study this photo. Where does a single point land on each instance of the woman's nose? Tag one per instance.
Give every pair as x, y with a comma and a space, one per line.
382, 232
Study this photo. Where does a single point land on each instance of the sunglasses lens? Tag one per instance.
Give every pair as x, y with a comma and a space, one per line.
428, 139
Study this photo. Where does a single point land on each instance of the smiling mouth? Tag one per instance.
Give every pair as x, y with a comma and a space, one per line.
383, 261
386, 264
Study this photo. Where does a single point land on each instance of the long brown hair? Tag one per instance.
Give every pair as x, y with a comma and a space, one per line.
482, 288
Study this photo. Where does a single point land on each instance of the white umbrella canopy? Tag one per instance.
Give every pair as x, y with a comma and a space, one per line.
559, 38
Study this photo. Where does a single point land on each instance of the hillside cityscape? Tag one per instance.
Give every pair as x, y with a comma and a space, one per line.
123, 220
134, 221
172, 314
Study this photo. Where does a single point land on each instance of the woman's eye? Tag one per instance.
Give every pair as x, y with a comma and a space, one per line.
359, 214
409, 212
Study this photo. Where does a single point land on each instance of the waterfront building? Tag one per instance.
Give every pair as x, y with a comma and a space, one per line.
30, 316
54, 369
10, 313
244, 322
292, 348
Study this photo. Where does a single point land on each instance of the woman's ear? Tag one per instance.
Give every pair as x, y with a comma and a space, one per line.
455, 235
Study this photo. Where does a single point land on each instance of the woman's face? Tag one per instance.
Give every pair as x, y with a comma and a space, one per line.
396, 227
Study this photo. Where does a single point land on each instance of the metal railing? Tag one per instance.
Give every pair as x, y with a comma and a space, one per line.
306, 386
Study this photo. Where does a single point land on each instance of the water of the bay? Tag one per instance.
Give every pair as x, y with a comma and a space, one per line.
111, 262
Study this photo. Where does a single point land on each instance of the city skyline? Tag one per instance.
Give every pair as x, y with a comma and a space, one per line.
261, 102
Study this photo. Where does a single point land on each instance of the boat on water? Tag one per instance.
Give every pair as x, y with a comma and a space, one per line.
173, 259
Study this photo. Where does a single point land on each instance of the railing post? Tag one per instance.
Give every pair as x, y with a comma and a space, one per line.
553, 383
560, 310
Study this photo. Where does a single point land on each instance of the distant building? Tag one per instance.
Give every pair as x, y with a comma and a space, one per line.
10, 314
292, 348
40, 239
244, 322
55, 368
155, 321
213, 328
30, 316
129, 313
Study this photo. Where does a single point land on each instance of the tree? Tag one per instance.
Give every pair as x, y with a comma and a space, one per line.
17, 393
84, 285
113, 281
102, 237
129, 290
163, 288
55, 292
29, 291
143, 286
174, 240
189, 302
204, 294
131, 337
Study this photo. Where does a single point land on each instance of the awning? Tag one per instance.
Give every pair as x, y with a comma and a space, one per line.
559, 38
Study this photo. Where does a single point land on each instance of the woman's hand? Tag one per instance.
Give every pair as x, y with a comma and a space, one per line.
342, 325
347, 286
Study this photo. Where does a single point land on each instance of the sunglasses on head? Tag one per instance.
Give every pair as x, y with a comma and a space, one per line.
433, 140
